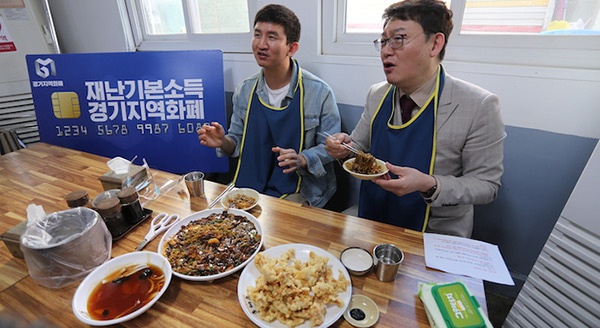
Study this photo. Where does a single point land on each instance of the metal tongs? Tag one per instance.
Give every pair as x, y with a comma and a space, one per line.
227, 189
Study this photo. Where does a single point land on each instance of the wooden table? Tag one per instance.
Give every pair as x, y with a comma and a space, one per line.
44, 174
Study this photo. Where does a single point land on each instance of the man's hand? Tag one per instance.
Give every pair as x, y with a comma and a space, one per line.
289, 159
211, 135
333, 145
409, 180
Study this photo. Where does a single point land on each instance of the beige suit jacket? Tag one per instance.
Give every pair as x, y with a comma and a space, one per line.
468, 163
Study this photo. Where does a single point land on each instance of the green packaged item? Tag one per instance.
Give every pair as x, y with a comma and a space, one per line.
451, 305
458, 307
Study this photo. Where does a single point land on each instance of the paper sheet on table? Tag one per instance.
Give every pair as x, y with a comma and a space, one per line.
467, 257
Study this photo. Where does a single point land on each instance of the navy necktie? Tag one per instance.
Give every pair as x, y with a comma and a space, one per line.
406, 106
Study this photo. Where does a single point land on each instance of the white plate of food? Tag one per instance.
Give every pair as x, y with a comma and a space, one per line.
104, 297
211, 232
241, 199
365, 167
337, 275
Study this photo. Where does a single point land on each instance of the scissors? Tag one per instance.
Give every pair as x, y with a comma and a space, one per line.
160, 223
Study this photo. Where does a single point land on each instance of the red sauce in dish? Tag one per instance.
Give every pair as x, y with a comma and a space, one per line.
125, 291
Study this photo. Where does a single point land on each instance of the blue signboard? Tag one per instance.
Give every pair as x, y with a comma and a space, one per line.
144, 104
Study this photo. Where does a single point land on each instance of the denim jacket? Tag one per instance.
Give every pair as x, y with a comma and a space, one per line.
321, 114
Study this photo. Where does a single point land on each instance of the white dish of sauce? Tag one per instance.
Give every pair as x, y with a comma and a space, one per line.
104, 297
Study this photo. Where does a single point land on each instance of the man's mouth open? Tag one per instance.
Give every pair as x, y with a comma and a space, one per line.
388, 67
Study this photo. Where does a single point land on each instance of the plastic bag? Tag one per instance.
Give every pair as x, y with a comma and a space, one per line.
63, 247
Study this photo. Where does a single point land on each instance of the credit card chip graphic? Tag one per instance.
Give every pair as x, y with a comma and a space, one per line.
65, 105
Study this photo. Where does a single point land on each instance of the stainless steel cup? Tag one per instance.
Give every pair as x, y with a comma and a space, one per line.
195, 183
387, 258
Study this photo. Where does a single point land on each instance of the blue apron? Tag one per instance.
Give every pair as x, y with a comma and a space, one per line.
411, 144
266, 126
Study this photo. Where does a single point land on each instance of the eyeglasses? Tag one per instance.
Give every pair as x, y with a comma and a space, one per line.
395, 42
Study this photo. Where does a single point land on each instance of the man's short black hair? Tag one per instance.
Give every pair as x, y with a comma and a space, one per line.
280, 15
433, 15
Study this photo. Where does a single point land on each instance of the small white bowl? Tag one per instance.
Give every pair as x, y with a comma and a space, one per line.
380, 163
80, 299
358, 261
361, 312
240, 191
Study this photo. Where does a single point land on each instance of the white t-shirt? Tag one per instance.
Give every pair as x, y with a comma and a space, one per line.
276, 96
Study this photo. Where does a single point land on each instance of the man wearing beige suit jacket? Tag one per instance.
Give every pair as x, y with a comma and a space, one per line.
443, 149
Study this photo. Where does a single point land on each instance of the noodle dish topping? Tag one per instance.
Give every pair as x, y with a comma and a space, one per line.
212, 245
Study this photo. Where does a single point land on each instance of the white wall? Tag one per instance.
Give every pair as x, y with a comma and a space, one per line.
26, 29
89, 25
531, 97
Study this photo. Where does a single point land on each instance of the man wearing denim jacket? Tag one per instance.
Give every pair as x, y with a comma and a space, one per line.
280, 116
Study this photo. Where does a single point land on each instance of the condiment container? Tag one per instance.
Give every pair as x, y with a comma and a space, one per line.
131, 208
358, 261
362, 311
110, 210
111, 193
77, 198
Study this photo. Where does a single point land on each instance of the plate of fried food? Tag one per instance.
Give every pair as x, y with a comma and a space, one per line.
294, 285
211, 244
365, 166
241, 199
